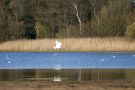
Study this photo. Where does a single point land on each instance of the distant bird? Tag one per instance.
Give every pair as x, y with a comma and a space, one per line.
54, 54
133, 55
9, 61
7, 57
114, 56
102, 60
58, 45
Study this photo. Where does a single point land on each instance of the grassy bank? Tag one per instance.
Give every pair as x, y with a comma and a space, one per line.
74, 44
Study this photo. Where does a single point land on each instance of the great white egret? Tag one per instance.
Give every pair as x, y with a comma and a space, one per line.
58, 45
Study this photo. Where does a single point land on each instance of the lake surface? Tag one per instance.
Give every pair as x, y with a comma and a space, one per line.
66, 60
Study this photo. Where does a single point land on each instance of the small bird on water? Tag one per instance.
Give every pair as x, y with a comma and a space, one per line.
114, 56
102, 60
7, 57
9, 61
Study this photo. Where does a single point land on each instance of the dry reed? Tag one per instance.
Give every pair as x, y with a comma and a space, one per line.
72, 44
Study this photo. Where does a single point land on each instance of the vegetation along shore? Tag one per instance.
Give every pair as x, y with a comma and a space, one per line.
72, 44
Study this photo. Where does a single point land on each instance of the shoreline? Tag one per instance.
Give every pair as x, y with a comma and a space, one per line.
41, 85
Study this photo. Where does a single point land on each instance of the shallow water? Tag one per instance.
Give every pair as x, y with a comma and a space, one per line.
65, 60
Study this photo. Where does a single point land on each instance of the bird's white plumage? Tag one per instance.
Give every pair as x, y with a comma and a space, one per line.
58, 45
9, 61
114, 56
7, 57
102, 60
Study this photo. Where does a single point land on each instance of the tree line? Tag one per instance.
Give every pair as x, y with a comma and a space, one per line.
34, 19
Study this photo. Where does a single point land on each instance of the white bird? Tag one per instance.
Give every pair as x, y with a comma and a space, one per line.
133, 55
9, 61
102, 60
7, 57
114, 56
58, 45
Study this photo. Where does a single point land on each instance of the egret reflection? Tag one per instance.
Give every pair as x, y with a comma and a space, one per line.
57, 79
57, 67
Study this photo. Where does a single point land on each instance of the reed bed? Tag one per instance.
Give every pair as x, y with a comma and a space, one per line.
70, 44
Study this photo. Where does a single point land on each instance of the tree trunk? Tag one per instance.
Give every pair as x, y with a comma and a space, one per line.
16, 17
78, 17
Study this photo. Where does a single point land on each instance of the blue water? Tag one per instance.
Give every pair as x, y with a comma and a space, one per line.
65, 60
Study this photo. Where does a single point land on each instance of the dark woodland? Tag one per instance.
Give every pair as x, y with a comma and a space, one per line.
36, 19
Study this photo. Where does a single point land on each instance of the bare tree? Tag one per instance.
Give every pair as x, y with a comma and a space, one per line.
93, 2
75, 4
14, 8
17, 10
